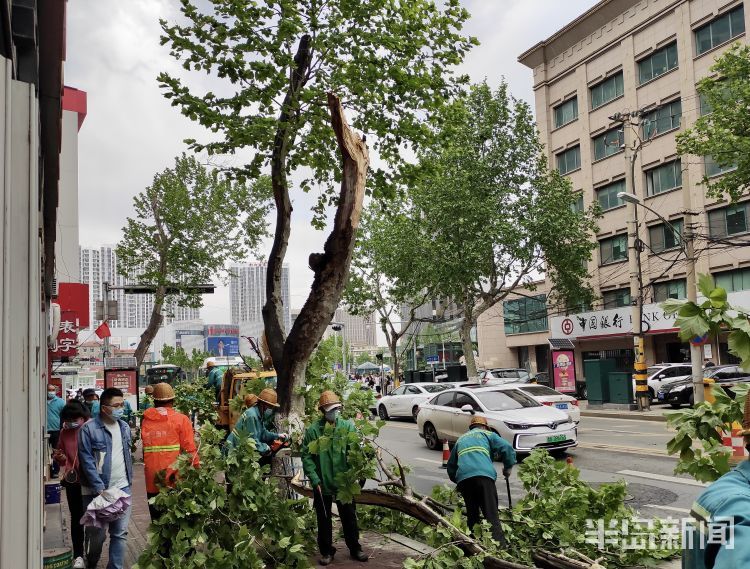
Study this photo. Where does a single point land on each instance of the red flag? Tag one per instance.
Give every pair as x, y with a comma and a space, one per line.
103, 331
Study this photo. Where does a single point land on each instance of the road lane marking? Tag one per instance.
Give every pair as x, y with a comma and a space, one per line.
431, 461
668, 508
662, 477
584, 431
617, 448
409, 427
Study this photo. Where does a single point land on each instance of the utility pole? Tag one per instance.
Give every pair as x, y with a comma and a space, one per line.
105, 314
630, 123
696, 352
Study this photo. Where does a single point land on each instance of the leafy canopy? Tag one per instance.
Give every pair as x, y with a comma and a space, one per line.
390, 61
188, 224
723, 134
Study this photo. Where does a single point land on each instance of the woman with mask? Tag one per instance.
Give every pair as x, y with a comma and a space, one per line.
321, 468
72, 417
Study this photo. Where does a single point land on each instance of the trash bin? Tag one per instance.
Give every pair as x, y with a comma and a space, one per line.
457, 373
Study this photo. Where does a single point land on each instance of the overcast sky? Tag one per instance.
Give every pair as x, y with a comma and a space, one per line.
131, 132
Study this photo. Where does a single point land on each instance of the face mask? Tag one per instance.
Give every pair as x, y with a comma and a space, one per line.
50, 395
89, 404
268, 414
117, 413
332, 415
72, 424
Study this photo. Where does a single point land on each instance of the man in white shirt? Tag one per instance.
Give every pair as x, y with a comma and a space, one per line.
104, 456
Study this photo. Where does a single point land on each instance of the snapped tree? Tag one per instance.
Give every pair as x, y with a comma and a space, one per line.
486, 217
721, 135
391, 63
188, 224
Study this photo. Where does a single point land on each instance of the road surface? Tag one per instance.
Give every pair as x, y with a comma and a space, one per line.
608, 450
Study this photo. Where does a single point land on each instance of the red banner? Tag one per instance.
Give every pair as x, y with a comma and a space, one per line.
563, 363
75, 296
123, 379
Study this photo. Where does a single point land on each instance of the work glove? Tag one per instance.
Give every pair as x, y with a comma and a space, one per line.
506, 472
284, 437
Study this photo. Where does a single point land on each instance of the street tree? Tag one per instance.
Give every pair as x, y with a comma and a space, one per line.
371, 290
288, 63
722, 134
188, 224
489, 218
190, 363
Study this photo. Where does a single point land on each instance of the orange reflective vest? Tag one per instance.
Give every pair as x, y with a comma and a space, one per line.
165, 433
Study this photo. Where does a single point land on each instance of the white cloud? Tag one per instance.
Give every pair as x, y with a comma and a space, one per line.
131, 132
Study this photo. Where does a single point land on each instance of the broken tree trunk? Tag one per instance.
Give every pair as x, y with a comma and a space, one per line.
419, 509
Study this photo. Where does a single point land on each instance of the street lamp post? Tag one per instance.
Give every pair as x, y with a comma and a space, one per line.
688, 246
339, 327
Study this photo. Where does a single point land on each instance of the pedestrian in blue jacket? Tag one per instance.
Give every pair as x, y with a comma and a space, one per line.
720, 537
471, 467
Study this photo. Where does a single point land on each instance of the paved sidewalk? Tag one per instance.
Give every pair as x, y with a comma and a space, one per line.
656, 413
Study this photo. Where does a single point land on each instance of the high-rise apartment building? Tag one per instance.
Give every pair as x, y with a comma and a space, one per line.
99, 265
247, 293
623, 56
358, 331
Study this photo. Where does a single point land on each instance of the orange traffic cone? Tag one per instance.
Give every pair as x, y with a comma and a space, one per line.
446, 453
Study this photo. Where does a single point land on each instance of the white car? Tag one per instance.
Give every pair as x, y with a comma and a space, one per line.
664, 374
501, 376
512, 414
405, 400
548, 396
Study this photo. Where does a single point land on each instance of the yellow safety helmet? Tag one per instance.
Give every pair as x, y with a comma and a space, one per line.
477, 420
269, 397
328, 398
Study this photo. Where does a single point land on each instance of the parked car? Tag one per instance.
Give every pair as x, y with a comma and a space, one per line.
662, 374
499, 376
680, 391
404, 401
512, 414
542, 378
548, 396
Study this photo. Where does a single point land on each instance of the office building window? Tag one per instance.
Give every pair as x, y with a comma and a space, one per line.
664, 178
613, 249
714, 169
607, 195
658, 63
525, 315
670, 289
663, 119
606, 91
566, 112
609, 143
663, 237
733, 281
569, 160
729, 220
616, 298
577, 206
720, 30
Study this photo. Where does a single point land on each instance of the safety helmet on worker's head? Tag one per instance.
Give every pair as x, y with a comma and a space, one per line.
163, 392
477, 421
210, 364
149, 390
328, 400
269, 397
251, 400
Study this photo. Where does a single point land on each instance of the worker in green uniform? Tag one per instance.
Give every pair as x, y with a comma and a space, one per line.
251, 424
321, 468
471, 467
720, 536
215, 377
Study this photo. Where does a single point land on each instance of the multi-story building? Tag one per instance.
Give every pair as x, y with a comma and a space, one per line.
99, 265
358, 331
623, 56
247, 293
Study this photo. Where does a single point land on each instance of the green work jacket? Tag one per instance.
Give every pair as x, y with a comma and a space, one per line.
473, 453
321, 468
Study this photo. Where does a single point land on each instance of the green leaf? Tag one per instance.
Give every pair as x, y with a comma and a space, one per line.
739, 345
705, 284
718, 297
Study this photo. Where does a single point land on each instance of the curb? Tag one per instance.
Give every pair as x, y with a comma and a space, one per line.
631, 416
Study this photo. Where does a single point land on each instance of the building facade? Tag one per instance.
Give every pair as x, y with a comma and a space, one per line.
360, 332
247, 295
623, 56
99, 265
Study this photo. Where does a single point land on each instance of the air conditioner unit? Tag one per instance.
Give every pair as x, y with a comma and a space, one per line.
54, 325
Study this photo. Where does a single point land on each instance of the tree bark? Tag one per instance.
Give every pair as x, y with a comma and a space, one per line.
154, 324
284, 138
331, 268
468, 347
